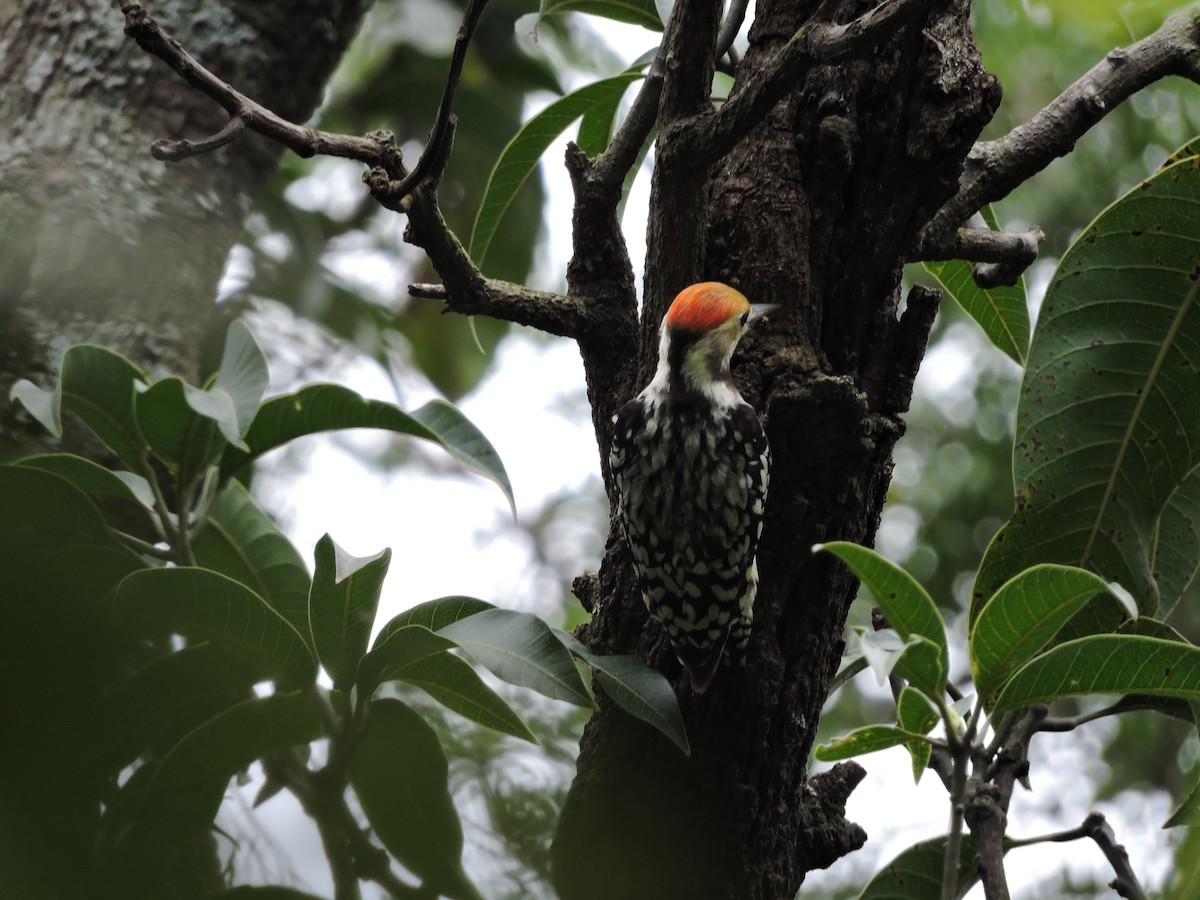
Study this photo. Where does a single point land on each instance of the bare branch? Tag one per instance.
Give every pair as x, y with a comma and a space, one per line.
552, 313
1096, 827
817, 42
173, 151
611, 166
734, 16
995, 168
302, 141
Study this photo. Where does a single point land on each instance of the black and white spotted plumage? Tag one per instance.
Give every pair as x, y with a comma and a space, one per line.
691, 466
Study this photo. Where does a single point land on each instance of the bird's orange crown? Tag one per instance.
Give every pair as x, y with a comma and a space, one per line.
702, 307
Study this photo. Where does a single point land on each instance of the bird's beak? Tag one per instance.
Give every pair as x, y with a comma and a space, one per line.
758, 310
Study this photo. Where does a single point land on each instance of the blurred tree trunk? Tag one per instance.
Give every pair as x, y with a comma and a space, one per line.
818, 210
100, 241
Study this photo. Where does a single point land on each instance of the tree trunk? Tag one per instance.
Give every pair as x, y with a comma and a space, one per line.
101, 242
818, 210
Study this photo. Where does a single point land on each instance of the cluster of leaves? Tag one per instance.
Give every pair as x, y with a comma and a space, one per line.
1072, 595
215, 633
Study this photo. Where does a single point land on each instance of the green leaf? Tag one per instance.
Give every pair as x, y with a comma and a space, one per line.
242, 375
638, 689
329, 407
916, 874
866, 740
1108, 424
596, 125
191, 780
204, 605
908, 608
242, 542
417, 656
185, 441
400, 775
93, 478
433, 614
1002, 312
1024, 616
917, 715
164, 700
401, 647
518, 160
341, 607
1188, 813
1177, 543
1106, 664
521, 649
98, 386
635, 12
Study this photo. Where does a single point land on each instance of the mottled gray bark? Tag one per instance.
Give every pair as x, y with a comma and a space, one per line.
99, 241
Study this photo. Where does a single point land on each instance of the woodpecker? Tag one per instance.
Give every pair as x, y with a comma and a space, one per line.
690, 462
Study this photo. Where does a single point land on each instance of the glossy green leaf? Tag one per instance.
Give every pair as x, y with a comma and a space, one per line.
866, 740
916, 874
1002, 312
520, 157
1108, 424
916, 714
521, 649
635, 12
92, 478
909, 610
329, 407
341, 607
241, 541
1024, 616
417, 656
638, 689
1106, 664
400, 775
433, 614
203, 605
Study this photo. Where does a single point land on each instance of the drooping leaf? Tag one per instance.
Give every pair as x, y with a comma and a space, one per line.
635, 12
415, 655
241, 541
1106, 664
1108, 424
916, 714
868, 739
207, 606
521, 649
641, 691
242, 375
916, 874
329, 407
400, 775
341, 607
1002, 312
909, 610
1023, 616
520, 157
93, 478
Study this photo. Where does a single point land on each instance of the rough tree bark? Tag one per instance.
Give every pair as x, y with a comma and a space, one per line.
817, 209
101, 241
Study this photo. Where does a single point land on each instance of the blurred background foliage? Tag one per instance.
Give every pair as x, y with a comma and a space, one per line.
326, 270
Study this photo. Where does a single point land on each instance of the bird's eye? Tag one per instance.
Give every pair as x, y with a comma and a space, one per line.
745, 317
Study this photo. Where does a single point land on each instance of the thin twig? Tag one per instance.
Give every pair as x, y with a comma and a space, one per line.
734, 17
173, 151
1096, 827
995, 168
